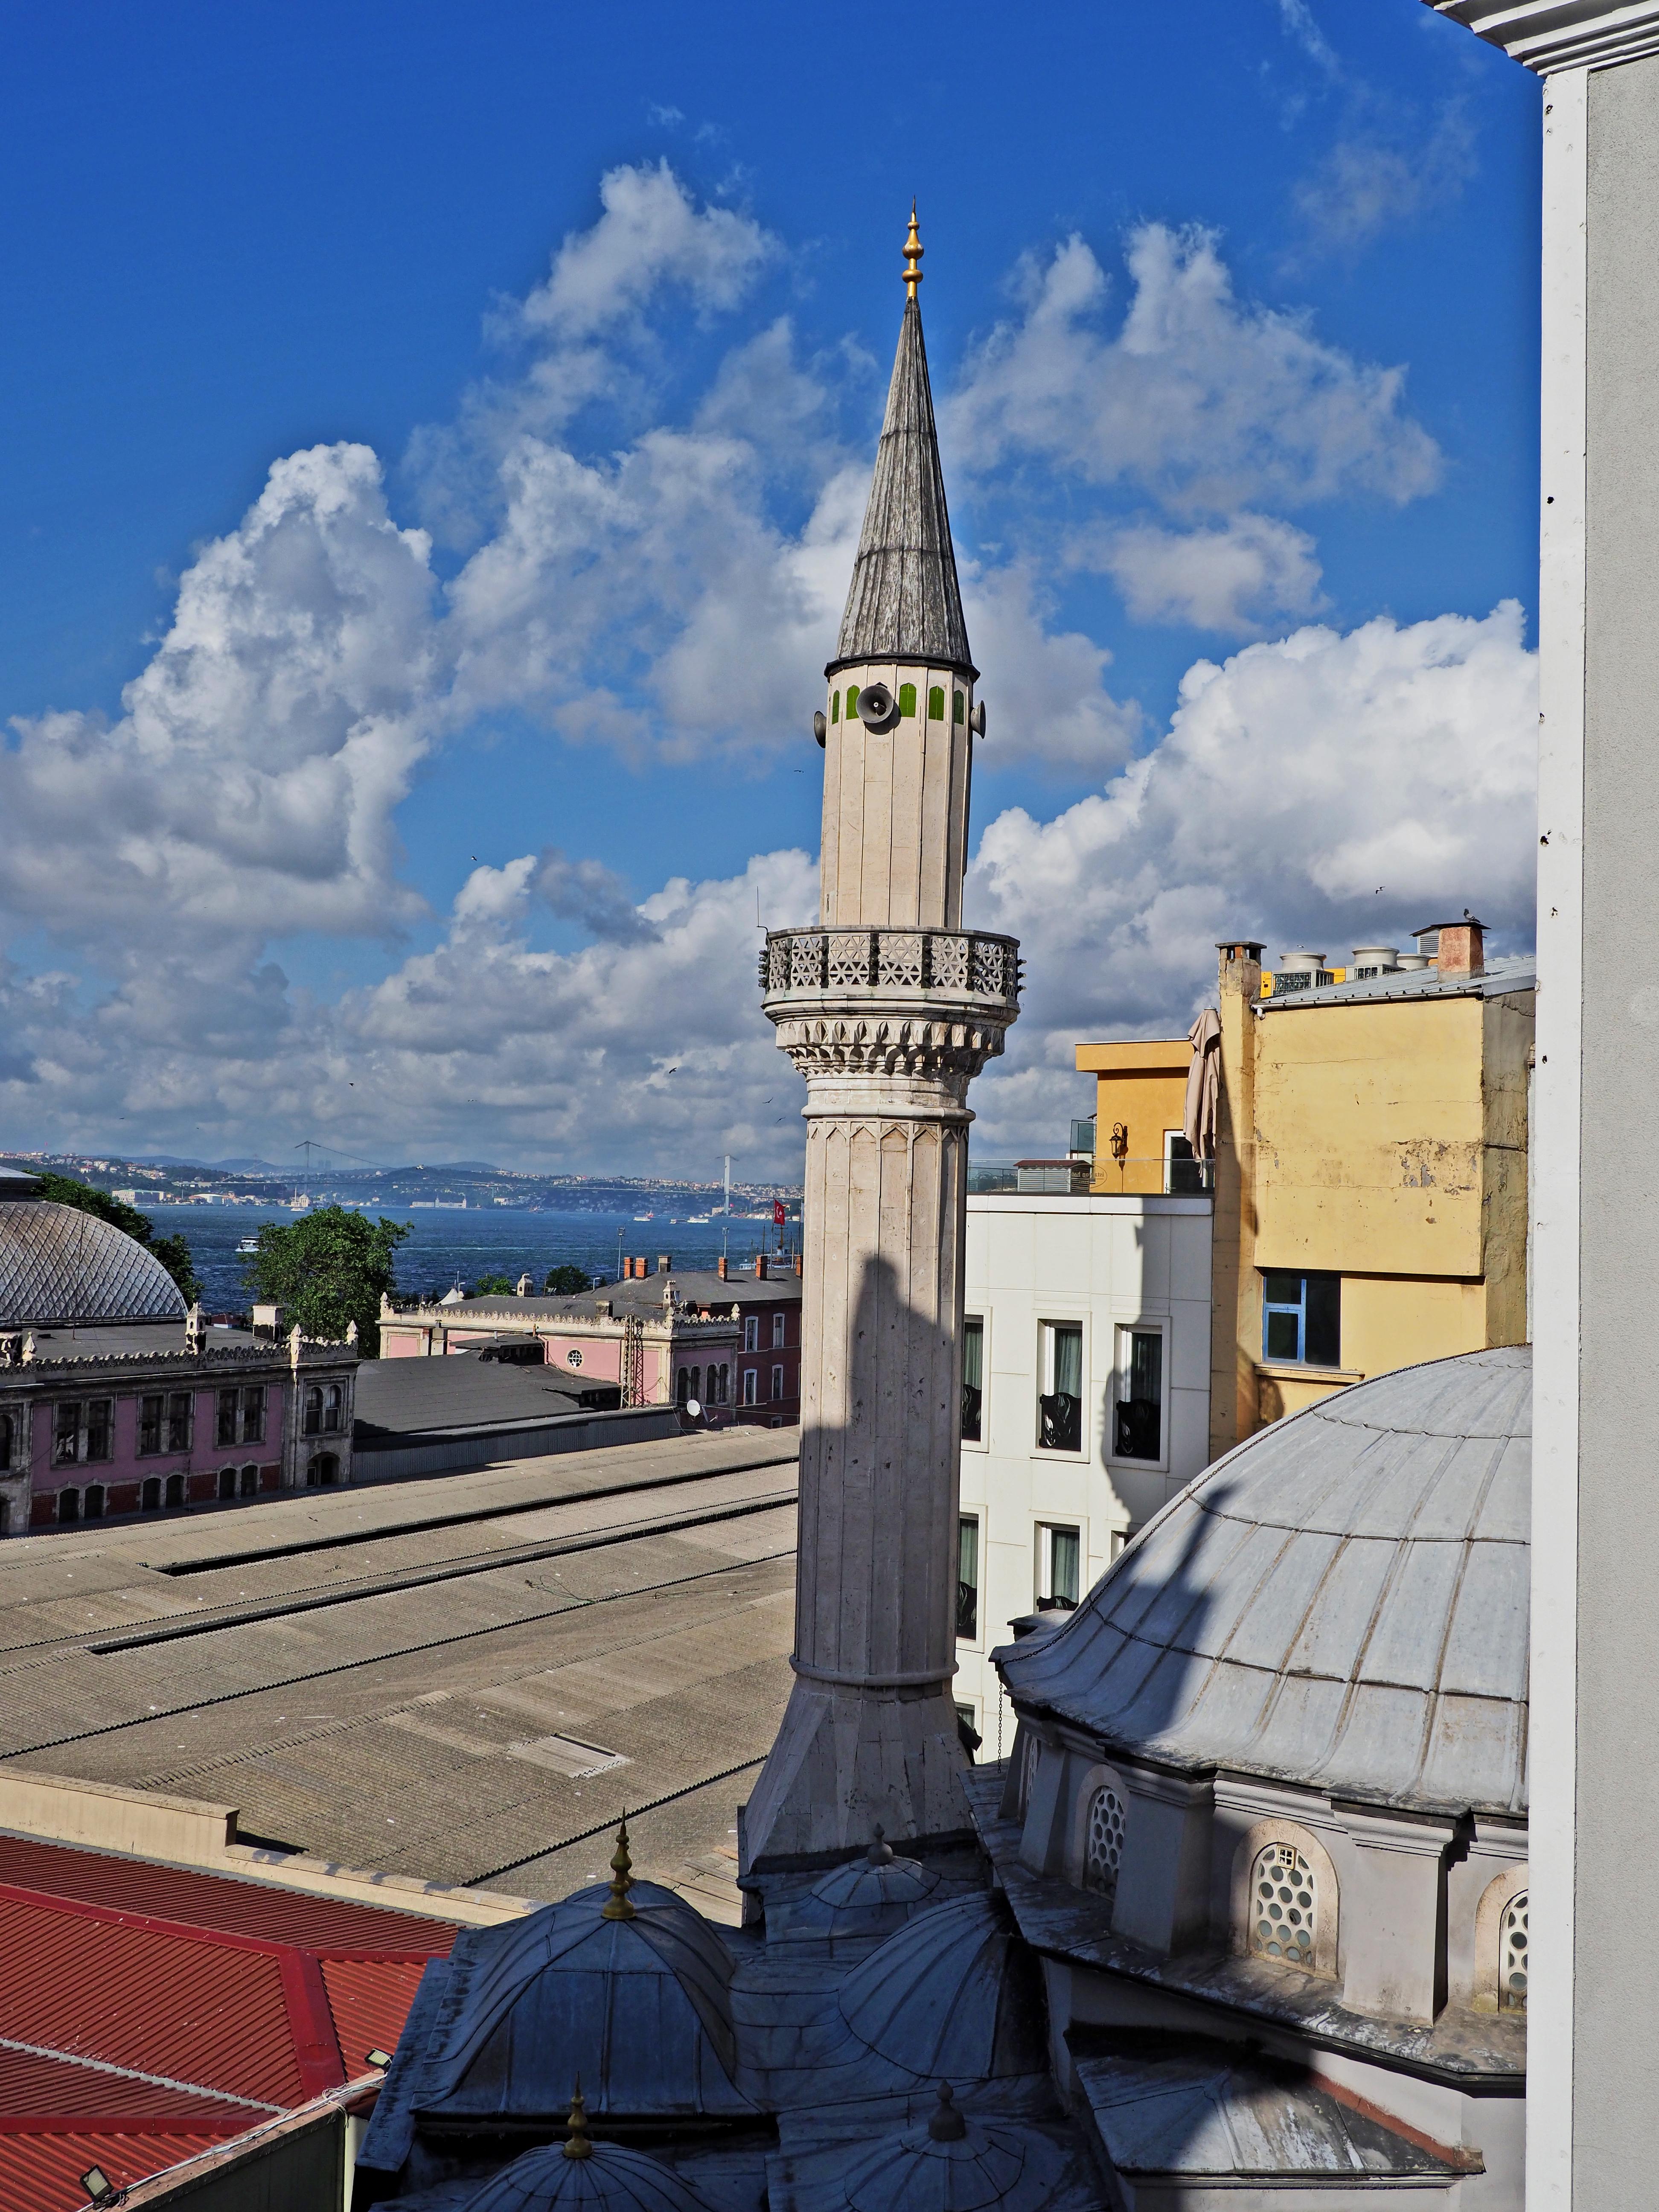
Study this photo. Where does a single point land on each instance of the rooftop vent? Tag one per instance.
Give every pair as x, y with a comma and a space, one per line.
1370, 960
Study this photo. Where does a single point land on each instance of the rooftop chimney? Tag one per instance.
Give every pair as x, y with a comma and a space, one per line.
760, 1267
664, 1262
723, 1267
1462, 947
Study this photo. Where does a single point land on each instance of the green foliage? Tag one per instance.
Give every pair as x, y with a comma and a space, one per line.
327, 1270
493, 1286
172, 1252
564, 1282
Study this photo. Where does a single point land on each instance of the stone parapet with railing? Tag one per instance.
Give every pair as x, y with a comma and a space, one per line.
952, 964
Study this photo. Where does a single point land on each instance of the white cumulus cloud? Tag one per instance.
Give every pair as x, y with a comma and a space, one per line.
1235, 578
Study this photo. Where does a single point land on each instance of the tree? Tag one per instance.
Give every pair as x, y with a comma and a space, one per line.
172, 1252
564, 1282
327, 1270
493, 1286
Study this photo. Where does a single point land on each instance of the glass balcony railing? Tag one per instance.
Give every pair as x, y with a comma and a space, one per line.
1154, 1177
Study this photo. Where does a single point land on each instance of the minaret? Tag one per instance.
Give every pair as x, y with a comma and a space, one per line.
888, 1008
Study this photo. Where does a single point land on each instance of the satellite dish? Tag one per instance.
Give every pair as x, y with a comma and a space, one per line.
875, 706
694, 1408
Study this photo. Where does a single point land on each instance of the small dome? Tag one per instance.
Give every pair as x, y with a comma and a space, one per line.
60, 1267
871, 1895
640, 2009
954, 1996
955, 2163
1342, 1602
610, 2178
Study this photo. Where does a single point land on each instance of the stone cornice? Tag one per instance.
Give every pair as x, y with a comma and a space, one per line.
1547, 35
848, 1043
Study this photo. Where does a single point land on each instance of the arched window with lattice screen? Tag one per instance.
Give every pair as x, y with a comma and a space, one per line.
1512, 1955
1102, 1842
1284, 1906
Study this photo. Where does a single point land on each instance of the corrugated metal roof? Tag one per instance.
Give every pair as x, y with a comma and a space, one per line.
210, 1902
34, 2085
1512, 972
195, 2008
1340, 1602
59, 1265
42, 2172
369, 1999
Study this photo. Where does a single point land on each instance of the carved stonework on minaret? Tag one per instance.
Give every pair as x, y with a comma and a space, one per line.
888, 1008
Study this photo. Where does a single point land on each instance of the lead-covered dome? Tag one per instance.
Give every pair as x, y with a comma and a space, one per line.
60, 1267
1340, 1602
954, 1996
609, 2177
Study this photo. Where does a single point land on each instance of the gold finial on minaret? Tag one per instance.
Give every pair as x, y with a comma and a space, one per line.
914, 251
576, 2143
619, 1906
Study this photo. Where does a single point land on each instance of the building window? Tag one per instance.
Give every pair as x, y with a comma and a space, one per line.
751, 1332
175, 1490
1103, 1845
852, 700
834, 704
778, 1319
936, 702
66, 1436
93, 1503
1183, 1174
777, 1384
149, 1497
69, 1505
226, 1484
5, 1439
331, 1410
149, 1425
958, 707
100, 1428
750, 1384
250, 1485
683, 1386
1059, 1403
1283, 1905
253, 1414
313, 1419
1059, 1552
968, 1578
908, 701
178, 1420
1512, 1956
973, 1378
1137, 1425
1302, 1319
226, 1431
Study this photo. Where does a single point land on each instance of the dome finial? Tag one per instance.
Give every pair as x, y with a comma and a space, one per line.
944, 2123
914, 251
880, 1852
619, 1906
576, 2144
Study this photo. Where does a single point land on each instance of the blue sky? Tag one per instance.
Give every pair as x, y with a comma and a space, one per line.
421, 792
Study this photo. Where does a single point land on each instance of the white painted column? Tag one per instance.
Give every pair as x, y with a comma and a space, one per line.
1556, 1142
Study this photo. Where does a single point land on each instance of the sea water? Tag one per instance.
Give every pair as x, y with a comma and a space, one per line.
460, 1244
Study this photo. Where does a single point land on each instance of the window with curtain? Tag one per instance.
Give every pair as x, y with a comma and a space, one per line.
1138, 1422
968, 1578
1059, 1563
1060, 1402
973, 1375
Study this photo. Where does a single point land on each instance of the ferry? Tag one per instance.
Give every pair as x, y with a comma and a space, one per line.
247, 1244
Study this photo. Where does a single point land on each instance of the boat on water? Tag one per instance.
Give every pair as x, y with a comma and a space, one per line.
696, 1220
247, 1244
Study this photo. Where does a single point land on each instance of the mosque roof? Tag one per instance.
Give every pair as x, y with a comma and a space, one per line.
1342, 1602
871, 1895
609, 2177
904, 602
59, 1266
953, 1996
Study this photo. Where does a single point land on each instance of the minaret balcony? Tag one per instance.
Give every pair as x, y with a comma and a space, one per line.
808, 965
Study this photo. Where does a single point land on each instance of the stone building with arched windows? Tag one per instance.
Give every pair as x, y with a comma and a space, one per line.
1266, 1821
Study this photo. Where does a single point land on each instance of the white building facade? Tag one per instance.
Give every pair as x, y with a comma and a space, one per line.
1085, 1404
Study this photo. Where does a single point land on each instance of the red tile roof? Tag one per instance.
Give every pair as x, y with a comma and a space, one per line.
42, 2172
147, 2012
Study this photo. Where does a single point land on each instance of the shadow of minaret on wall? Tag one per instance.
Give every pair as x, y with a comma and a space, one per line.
888, 1008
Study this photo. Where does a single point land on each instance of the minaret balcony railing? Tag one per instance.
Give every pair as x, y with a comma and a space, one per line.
929, 963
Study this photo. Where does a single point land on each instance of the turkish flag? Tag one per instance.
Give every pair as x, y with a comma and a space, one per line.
779, 1216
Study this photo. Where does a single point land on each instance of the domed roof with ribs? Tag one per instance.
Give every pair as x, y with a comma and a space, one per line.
1340, 1602
60, 1267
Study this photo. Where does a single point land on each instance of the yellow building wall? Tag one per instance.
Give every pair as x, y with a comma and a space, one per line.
1144, 1086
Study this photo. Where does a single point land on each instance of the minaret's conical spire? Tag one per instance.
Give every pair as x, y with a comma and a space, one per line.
905, 603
